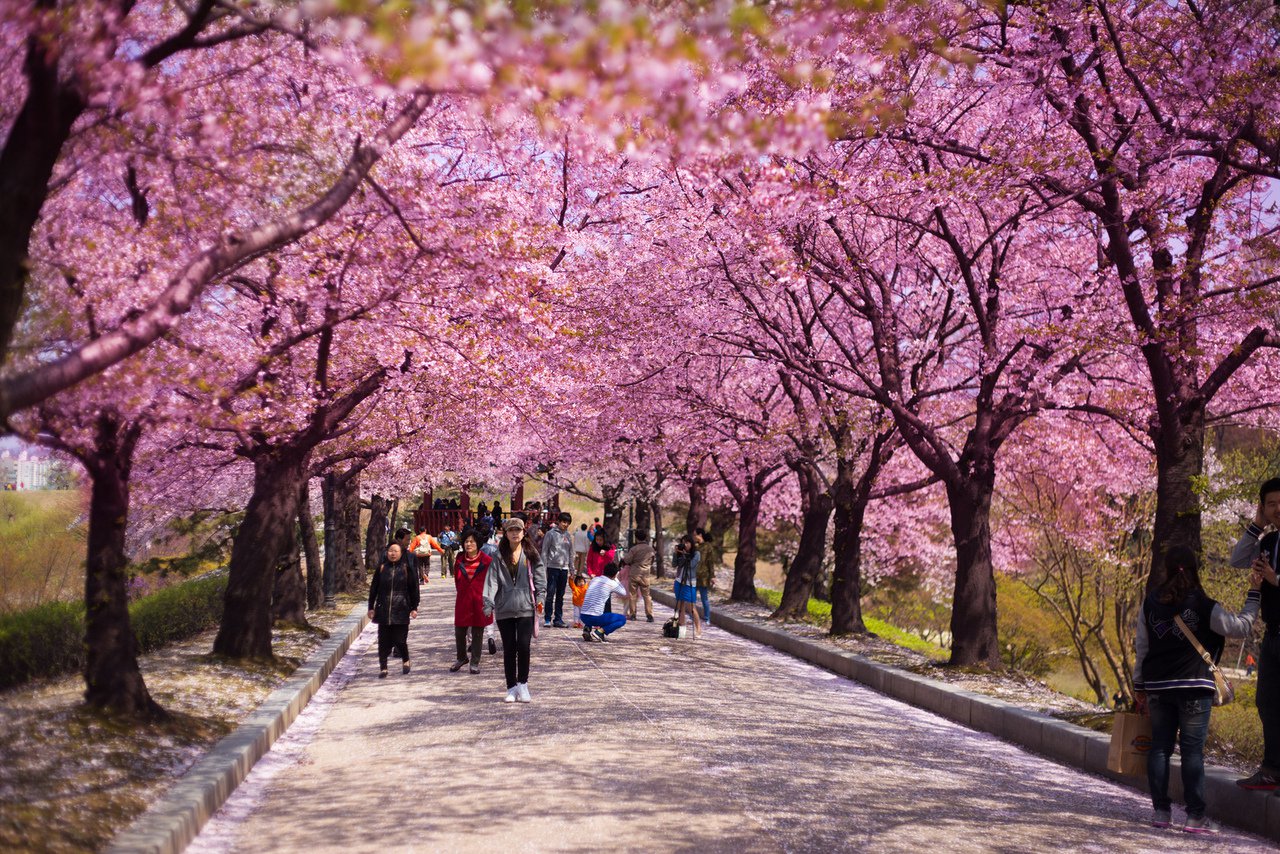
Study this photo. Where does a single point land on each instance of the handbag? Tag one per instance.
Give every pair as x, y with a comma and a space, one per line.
1130, 744
1223, 691
671, 628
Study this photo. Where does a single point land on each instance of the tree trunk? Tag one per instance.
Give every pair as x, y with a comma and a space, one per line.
41, 127
644, 520
659, 541
310, 548
846, 583
328, 496
348, 567
394, 516
375, 535
1179, 465
698, 508
612, 512
974, 639
289, 594
271, 513
113, 681
744, 564
816, 506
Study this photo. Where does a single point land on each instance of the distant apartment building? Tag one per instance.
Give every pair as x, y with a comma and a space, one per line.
24, 471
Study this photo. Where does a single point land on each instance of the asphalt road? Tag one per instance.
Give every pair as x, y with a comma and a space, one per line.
651, 744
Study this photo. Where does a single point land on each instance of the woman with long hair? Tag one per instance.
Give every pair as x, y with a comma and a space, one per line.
1175, 685
469, 619
514, 590
686, 561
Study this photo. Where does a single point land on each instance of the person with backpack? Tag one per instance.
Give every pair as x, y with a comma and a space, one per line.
514, 590
449, 545
1173, 682
393, 602
469, 619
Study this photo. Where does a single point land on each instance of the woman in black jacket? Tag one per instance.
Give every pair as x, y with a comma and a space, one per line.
1175, 685
393, 602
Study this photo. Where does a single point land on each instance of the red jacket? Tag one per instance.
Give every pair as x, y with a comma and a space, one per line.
469, 608
596, 560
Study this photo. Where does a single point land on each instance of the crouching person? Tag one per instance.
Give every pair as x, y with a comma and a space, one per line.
596, 623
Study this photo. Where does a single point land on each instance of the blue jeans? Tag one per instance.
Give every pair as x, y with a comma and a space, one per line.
1175, 713
706, 606
609, 622
557, 580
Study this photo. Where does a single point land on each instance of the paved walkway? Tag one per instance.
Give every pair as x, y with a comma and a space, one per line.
656, 745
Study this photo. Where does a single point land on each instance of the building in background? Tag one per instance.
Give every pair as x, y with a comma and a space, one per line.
24, 470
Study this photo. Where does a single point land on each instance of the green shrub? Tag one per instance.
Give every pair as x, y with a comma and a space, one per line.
820, 612
48, 640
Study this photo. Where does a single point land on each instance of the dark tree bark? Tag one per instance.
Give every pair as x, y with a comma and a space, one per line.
612, 512
644, 519
289, 594
375, 535
744, 563
974, 639
659, 541
113, 681
1179, 464
815, 509
698, 507
343, 567
310, 548
31, 150
271, 513
846, 579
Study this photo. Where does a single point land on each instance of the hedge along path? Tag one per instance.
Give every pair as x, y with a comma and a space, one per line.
649, 743
48, 640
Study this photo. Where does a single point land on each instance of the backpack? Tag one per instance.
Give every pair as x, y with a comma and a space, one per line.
671, 628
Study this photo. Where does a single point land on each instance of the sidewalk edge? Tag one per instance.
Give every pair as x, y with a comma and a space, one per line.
1075, 746
170, 824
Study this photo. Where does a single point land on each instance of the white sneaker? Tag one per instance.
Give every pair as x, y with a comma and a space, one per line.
522, 693
513, 694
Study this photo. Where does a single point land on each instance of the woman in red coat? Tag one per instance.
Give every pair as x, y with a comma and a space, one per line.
469, 572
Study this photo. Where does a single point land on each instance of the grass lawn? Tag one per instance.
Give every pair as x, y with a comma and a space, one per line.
42, 547
820, 613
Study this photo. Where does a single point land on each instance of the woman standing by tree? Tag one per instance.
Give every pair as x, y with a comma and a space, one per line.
514, 589
1175, 684
469, 573
393, 602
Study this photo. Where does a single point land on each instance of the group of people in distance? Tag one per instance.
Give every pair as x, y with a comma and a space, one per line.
512, 582
1180, 630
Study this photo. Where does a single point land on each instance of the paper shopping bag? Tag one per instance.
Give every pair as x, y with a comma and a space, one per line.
1130, 743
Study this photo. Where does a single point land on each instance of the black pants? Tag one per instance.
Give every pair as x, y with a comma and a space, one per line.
556, 580
460, 636
392, 638
1268, 700
517, 639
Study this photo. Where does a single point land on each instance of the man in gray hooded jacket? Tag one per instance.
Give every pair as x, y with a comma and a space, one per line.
557, 557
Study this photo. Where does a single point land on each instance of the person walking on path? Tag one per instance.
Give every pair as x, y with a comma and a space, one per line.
639, 561
685, 561
1259, 549
581, 542
596, 622
393, 602
449, 545
557, 556
514, 589
469, 618
420, 549
1175, 685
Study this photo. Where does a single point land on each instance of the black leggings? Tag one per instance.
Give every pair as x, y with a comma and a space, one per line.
392, 638
517, 639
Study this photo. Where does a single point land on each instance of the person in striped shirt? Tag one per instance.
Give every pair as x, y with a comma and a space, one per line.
596, 623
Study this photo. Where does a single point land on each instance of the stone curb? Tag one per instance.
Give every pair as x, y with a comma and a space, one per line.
171, 823
1076, 746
